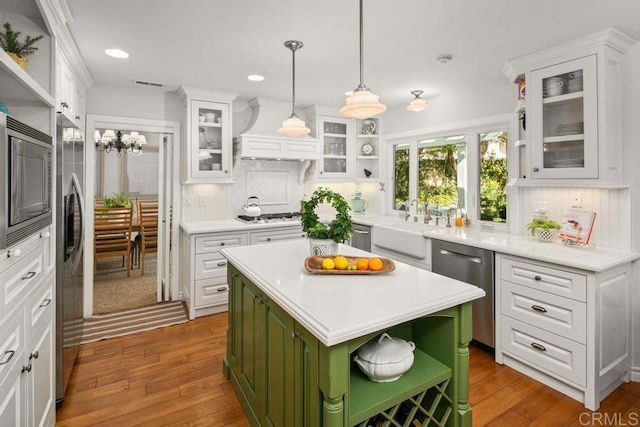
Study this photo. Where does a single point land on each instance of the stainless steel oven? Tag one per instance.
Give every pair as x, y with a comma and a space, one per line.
26, 181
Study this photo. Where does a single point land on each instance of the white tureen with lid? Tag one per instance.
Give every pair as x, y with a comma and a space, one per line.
385, 359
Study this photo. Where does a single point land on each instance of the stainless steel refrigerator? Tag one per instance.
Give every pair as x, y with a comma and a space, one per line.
70, 225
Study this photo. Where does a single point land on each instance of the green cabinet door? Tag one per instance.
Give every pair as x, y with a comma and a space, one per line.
278, 375
250, 332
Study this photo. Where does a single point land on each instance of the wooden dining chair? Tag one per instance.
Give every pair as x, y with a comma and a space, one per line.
112, 234
148, 217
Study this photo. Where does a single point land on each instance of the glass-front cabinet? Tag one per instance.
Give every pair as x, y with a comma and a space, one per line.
564, 120
208, 149
337, 136
209, 130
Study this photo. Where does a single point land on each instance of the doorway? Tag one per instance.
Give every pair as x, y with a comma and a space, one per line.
135, 177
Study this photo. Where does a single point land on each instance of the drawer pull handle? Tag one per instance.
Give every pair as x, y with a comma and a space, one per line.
221, 243
26, 368
537, 278
29, 275
34, 355
10, 353
222, 289
46, 302
538, 346
222, 263
268, 239
539, 308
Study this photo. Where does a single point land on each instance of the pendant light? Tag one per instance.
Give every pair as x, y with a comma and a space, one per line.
363, 103
417, 104
293, 126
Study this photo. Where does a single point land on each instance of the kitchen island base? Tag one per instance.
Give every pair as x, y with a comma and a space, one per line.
284, 376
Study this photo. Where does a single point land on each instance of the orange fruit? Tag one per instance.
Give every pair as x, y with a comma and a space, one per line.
363, 264
375, 264
328, 264
341, 262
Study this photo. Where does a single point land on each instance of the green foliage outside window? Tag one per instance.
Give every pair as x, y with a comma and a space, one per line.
493, 180
438, 175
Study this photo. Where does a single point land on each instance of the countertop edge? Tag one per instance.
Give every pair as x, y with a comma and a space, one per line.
329, 339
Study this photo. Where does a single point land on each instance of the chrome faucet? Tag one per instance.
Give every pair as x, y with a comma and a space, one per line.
415, 201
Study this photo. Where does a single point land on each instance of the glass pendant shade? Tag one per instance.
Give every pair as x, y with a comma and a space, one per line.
293, 127
417, 104
362, 105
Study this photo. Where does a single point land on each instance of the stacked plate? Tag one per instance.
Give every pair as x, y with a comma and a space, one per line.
570, 128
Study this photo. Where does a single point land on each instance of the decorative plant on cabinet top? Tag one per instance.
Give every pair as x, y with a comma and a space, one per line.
17, 50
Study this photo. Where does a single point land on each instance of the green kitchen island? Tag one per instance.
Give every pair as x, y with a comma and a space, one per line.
292, 337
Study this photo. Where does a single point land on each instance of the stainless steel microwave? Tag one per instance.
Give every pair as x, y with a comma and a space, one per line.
26, 181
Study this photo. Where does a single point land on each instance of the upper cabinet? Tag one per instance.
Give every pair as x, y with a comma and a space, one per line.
336, 136
27, 92
349, 148
70, 91
208, 157
572, 115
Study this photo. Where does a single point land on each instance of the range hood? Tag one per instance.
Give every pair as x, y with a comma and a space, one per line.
260, 140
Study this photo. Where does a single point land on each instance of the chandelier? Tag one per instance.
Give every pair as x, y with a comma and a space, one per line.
120, 142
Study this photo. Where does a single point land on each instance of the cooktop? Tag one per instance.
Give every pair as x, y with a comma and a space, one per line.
271, 217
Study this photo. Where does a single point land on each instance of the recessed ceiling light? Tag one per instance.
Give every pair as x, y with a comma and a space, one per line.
255, 77
116, 53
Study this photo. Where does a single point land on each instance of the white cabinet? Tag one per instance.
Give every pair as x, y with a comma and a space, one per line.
70, 92
204, 269
337, 138
572, 112
208, 148
565, 327
367, 151
27, 336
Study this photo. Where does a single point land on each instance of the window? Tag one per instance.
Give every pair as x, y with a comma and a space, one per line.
464, 168
401, 176
493, 176
441, 172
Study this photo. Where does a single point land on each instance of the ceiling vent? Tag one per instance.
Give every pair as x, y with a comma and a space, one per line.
151, 84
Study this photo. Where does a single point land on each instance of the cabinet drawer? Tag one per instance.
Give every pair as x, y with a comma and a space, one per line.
210, 265
215, 243
563, 316
212, 292
40, 308
22, 276
552, 353
558, 282
12, 343
294, 233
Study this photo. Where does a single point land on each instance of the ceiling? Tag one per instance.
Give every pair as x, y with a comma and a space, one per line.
215, 44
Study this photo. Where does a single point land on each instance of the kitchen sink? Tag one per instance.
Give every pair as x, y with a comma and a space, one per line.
405, 239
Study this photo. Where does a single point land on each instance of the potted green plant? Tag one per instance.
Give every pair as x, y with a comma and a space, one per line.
324, 237
544, 229
117, 201
16, 49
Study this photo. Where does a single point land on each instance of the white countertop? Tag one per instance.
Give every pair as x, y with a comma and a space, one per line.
337, 308
221, 225
585, 258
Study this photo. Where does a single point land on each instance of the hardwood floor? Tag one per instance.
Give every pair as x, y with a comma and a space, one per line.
173, 377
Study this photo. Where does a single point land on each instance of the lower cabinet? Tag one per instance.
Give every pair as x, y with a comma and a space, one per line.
565, 327
283, 376
204, 268
27, 337
273, 357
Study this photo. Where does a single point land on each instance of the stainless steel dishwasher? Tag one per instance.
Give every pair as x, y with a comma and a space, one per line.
474, 266
361, 237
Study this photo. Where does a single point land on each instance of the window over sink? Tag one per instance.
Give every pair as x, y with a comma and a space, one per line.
461, 169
